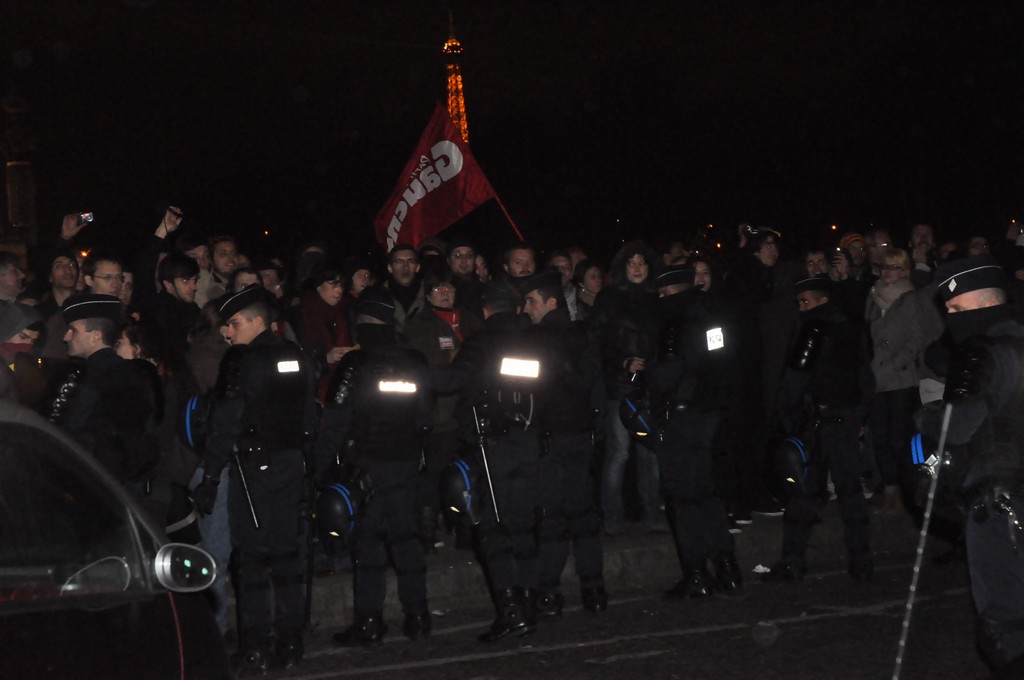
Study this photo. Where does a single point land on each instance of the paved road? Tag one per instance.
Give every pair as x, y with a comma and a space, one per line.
826, 627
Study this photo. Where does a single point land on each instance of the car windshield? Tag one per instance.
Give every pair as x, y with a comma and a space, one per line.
63, 533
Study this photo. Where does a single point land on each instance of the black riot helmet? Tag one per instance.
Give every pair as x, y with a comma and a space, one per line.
636, 417
792, 460
341, 502
194, 420
462, 489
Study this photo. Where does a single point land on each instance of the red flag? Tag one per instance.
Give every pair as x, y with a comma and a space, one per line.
440, 183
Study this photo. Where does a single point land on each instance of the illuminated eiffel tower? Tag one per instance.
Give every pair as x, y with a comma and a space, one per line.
456, 101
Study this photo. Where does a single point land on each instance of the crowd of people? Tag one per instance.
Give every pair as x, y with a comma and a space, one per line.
738, 386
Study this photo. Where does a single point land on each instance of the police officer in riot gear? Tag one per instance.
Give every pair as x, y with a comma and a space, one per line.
499, 416
263, 411
985, 389
693, 380
377, 410
573, 392
823, 400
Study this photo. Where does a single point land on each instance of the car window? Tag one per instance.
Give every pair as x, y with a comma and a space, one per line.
63, 533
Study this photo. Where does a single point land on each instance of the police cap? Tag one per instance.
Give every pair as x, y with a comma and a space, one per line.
968, 274
92, 306
498, 295
377, 303
549, 280
676, 275
232, 304
818, 283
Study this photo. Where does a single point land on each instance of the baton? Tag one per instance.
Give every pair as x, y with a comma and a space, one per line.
921, 541
487, 470
245, 488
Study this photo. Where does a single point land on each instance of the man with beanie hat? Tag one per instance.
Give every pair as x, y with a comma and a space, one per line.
462, 265
986, 393
377, 409
107, 403
263, 416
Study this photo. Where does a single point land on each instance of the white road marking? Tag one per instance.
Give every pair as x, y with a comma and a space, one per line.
625, 657
844, 612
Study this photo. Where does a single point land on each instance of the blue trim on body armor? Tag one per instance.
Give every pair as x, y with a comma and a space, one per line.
463, 467
343, 490
188, 420
803, 453
917, 449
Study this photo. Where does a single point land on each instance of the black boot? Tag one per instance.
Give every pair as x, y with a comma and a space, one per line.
789, 569
288, 651
594, 599
529, 598
252, 658
728, 577
548, 604
512, 616
696, 584
366, 631
417, 624
428, 530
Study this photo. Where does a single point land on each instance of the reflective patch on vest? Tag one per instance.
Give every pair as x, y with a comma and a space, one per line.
446, 342
287, 366
520, 368
399, 386
716, 339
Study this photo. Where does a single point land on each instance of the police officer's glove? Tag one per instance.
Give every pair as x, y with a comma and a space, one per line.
969, 373
205, 495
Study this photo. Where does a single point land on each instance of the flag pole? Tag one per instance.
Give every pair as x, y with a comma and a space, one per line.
509, 218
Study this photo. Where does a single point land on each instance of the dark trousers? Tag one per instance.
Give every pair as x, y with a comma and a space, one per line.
508, 548
892, 426
838, 456
696, 514
570, 517
271, 558
997, 583
440, 449
389, 524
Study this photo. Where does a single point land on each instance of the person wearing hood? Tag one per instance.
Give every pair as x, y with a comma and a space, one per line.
984, 395
324, 330
823, 401
20, 328
903, 323
758, 290
624, 325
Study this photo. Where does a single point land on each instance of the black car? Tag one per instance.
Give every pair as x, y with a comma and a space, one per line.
89, 587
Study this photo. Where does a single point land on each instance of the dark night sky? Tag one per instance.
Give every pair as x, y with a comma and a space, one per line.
593, 120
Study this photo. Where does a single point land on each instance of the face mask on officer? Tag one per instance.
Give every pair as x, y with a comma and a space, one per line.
966, 324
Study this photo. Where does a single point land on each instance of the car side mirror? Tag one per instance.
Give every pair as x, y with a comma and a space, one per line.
184, 568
